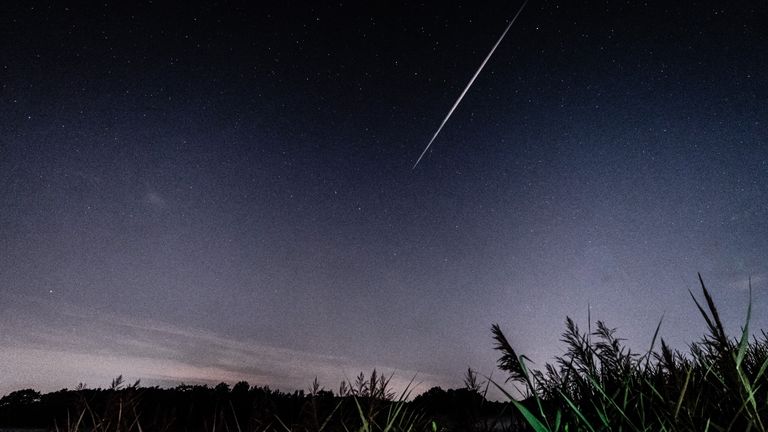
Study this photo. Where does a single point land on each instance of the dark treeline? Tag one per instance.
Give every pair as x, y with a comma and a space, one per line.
253, 408
598, 384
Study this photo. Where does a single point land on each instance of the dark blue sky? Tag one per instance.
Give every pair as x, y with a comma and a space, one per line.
218, 193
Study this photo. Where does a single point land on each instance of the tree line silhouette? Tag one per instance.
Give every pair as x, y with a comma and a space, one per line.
242, 407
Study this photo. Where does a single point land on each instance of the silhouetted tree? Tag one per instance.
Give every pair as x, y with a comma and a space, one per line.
20, 397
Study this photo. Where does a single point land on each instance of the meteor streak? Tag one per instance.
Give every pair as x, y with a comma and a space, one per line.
471, 81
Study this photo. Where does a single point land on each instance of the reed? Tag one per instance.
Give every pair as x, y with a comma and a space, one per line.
599, 384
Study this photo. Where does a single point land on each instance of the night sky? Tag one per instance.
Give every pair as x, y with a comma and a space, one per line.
214, 193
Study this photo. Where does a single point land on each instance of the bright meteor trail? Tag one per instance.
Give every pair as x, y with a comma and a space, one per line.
471, 81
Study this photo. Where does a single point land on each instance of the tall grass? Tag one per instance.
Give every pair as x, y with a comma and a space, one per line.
599, 384
119, 412
367, 404
370, 405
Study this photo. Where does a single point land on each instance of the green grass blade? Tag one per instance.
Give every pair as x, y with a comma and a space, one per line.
328, 418
653, 343
534, 422
762, 370
578, 413
720, 333
602, 414
712, 328
744, 341
279, 420
364, 426
682, 393
610, 400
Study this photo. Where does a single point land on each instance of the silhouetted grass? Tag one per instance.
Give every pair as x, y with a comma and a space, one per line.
367, 404
718, 384
600, 385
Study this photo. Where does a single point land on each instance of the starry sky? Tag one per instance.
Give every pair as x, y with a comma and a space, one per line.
222, 192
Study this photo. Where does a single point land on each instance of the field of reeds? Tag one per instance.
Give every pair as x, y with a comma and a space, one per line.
718, 384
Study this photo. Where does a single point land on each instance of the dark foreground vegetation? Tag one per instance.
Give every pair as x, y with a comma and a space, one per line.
599, 385
719, 384
367, 404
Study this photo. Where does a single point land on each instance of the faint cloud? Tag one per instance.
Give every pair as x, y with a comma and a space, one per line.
155, 200
92, 347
